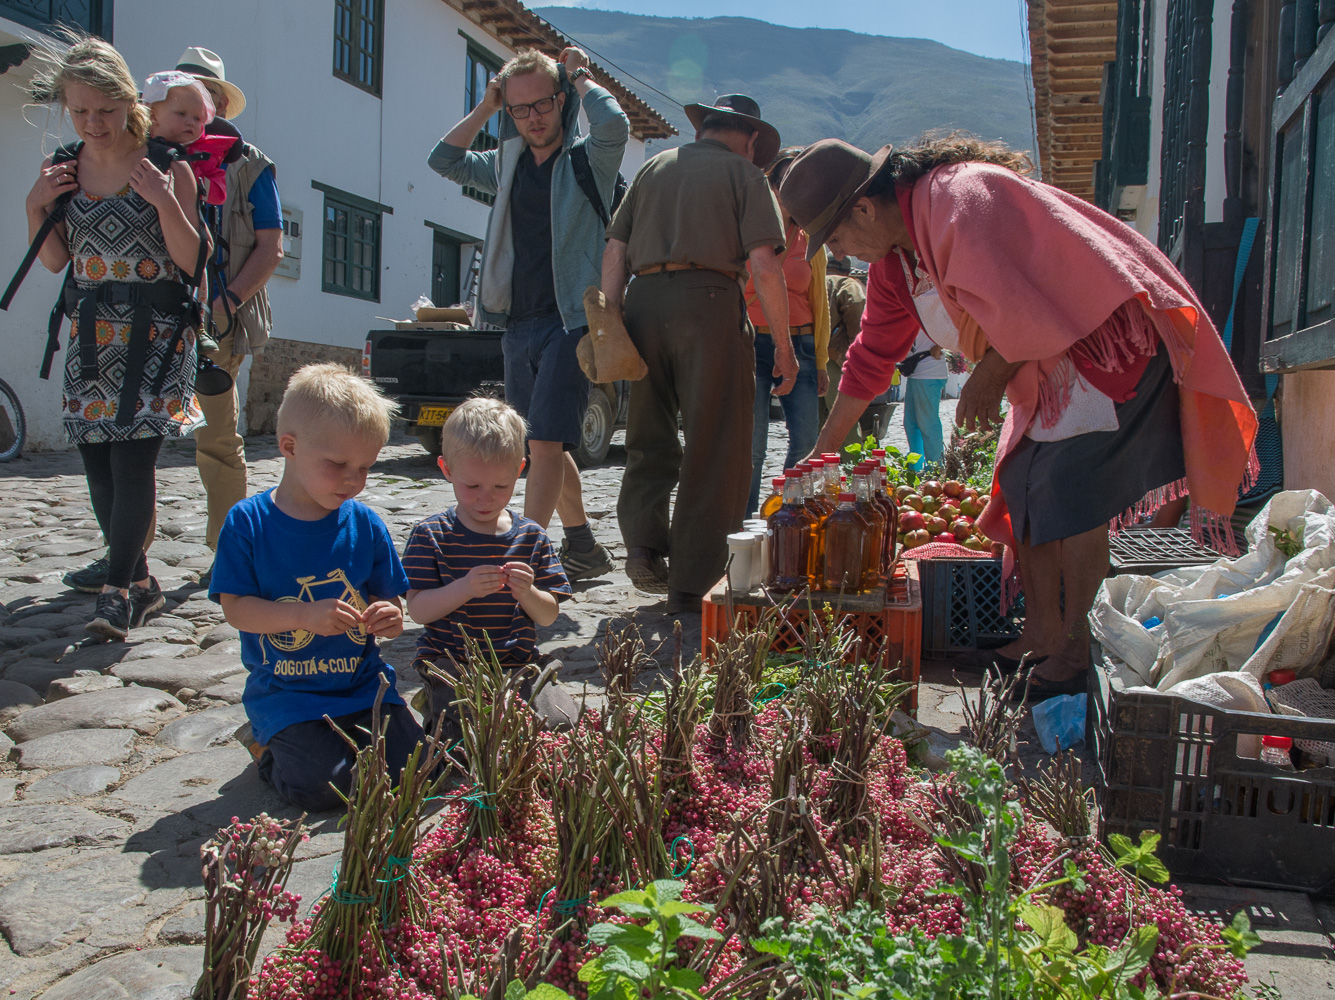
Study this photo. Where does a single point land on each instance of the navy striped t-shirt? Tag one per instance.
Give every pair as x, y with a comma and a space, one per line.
443, 549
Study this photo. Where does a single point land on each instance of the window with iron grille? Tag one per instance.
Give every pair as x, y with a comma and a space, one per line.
359, 42
481, 67
351, 249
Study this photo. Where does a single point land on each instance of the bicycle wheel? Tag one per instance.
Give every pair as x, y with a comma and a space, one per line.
13, 426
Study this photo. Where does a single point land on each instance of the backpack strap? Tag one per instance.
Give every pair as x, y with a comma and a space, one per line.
579, 162
53, 219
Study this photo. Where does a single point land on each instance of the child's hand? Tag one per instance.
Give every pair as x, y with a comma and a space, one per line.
483, 580
384, 620
519, 576
329, 617
152, 184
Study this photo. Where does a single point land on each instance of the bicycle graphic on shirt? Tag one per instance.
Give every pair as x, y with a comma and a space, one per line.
295, 639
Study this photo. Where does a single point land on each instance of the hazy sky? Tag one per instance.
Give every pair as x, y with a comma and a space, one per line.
986, 27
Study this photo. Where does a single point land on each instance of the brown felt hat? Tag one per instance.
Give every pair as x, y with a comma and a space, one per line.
606, 353
824, 183
767, 145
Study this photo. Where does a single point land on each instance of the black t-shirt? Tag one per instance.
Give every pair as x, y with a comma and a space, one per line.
532, 288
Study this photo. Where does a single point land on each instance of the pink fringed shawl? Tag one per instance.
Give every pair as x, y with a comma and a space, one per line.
1031, 270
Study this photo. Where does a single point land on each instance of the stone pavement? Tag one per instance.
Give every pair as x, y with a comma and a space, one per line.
121, 760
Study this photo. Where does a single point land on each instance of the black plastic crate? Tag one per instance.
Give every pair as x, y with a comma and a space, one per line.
1152, 550
961, 607
1170, 765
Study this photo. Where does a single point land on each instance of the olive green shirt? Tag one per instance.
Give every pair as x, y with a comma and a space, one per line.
847, 300
698, 204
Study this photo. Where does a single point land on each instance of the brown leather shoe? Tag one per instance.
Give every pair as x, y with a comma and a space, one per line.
647, 570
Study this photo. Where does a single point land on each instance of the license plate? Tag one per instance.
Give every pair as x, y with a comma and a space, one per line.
433, 416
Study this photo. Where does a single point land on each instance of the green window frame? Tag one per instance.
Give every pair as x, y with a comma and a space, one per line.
359, 42
480, 66
350, 255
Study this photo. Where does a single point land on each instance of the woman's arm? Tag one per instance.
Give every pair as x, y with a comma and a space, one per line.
52, 182
173, 195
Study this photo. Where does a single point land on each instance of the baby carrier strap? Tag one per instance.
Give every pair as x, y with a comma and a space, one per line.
53, 219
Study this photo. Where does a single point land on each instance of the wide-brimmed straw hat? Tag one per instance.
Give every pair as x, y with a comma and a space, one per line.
208, 65
824, 183
606, 353
767, 145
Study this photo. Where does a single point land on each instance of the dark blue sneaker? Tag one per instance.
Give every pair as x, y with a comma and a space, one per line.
144, 601
111, 620
89, 580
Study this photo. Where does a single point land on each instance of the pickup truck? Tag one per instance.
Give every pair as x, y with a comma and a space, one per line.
430, 368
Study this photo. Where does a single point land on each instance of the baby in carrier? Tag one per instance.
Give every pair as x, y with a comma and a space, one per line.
182, 115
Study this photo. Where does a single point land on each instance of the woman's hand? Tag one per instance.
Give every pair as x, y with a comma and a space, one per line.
52, 182
980, 398
822, 382
152, 184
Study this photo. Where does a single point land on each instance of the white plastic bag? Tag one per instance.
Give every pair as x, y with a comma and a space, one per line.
422, 303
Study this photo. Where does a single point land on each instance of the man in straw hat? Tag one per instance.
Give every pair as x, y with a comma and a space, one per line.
247, 229
540, 255
692, 220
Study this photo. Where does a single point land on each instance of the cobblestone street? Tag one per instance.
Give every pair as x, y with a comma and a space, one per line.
117, 760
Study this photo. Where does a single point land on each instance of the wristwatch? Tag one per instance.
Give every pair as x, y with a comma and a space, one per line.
583, 71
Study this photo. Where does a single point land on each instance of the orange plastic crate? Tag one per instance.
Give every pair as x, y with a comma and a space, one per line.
893, 615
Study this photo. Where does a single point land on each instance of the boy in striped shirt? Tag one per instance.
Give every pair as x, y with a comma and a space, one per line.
482, 570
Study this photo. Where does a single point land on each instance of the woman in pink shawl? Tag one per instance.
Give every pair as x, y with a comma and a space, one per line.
1122, 396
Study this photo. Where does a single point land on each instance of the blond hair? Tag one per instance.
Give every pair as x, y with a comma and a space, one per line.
484, 428
324, 394
529, 61
92, 62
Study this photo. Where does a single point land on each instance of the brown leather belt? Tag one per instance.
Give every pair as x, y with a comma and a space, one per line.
660, 268
806, 330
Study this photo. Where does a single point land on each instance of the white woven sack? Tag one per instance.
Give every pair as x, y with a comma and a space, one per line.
1306, 697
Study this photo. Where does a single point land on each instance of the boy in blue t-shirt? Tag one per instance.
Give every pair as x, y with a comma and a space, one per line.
480, 570
310, 578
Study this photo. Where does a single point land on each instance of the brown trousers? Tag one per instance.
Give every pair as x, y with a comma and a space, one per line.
220, 452
690, 328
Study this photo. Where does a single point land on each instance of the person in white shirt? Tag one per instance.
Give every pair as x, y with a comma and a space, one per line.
925, 371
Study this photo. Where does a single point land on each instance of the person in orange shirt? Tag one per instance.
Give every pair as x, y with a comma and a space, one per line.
809, 326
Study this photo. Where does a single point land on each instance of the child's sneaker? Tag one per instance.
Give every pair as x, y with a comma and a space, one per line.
144, 601
246, 737
111, 620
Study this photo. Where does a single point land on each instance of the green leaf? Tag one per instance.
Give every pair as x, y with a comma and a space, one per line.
676, 907
1139, 857
590, 970
1239, 936
632, 896
689, 928
1049, 923
515, 991
771, 946
685, 979
546, 991
621, 935
1135, 954
665, 889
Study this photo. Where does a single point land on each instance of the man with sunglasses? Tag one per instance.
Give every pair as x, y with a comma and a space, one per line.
543, 247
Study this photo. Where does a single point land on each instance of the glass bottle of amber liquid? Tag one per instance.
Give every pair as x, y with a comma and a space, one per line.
846, 537
875, 517
814, 499
775, 500
884, 496
788, 538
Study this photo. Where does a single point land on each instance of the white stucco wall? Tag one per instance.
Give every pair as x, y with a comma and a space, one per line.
313, 125
1221, 35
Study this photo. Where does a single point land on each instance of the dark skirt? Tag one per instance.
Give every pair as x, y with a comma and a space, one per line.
1057, 489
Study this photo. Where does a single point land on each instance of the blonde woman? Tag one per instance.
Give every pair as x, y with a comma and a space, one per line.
128, 241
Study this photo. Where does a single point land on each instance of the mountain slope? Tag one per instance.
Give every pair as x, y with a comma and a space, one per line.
811, 83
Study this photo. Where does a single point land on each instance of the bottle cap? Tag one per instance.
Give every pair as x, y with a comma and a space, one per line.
792, 474
1277, 742
1284, 676
829, 456
846, 498
778, 483
816, 463
804, 467
878, 452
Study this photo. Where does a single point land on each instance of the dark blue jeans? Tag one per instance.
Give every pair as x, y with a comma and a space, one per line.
307, 761
800, 408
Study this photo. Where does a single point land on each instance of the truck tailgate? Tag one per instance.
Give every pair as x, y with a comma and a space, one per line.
440, 364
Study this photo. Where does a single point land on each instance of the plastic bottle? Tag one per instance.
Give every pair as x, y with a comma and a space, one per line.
832, 476
788, 538
875, 517
846, 536
1275, 751
885, 499
775, 500
815, 505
